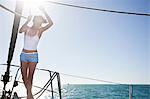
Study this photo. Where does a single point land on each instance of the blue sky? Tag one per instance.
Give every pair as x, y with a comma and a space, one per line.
108, 46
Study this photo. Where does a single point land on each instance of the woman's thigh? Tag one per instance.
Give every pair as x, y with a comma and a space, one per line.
24, 66
32, 67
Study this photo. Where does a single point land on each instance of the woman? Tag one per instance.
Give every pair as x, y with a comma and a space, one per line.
29, 55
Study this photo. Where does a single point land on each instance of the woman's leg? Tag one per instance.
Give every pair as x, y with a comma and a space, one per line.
24, 69
32, 66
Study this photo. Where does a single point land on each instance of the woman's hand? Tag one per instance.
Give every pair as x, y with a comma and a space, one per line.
50, 23
24, 28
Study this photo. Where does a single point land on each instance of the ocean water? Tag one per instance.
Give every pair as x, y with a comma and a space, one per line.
105, 91
80, 91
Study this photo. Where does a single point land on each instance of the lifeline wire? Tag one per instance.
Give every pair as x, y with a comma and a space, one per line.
98, 9
40, 88
12, 11
83, 7
76, 76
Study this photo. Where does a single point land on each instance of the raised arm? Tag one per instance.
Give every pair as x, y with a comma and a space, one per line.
25, 27
50, 23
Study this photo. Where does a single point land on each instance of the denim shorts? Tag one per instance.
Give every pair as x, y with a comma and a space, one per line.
29, 57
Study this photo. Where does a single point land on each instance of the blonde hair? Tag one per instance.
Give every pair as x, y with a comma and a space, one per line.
39, 17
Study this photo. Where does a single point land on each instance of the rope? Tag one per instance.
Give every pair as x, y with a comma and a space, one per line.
45, 89
94, 79
76, 76
49, 83
82, 7
40, 88
41, 69
12, 11
45, 86
97, 9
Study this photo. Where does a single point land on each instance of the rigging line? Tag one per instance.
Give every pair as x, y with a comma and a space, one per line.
41, 69
11, 65
94, 79
82, 7
97, 9
40, 87
12, 11
44, 88
81, 77
47, 86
